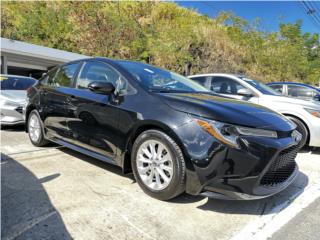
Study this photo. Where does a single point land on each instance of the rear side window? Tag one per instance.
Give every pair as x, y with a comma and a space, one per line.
63, 76
301, 91
49, 76
16, 83
277, 87
204, 81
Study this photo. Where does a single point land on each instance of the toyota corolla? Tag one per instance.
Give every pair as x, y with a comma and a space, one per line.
174, 134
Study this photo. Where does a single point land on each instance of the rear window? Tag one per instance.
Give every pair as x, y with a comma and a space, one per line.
16, 83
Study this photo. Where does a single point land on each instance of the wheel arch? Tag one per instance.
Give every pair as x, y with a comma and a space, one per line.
137, 130
302, 121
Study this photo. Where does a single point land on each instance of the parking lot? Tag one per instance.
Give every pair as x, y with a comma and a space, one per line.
56, 193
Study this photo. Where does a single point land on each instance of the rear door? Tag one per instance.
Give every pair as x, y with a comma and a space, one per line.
55, 90
302, 92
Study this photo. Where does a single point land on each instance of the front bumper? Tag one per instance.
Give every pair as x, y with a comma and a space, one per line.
261, 167
265, 191
314, 129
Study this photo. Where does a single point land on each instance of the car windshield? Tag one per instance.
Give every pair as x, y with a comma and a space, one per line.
261, 87
159, 80
15, 83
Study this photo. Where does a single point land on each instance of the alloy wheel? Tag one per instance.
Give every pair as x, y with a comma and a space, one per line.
154, 165
34, 128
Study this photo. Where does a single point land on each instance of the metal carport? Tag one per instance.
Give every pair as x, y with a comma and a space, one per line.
21, 58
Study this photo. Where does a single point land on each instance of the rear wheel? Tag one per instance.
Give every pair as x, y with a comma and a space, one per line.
301, 128
35, 130
158, 165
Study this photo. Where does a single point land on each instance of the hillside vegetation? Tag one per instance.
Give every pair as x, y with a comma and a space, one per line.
167, 35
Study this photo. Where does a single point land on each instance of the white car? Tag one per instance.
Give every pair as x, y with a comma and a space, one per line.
305, 114
13, 98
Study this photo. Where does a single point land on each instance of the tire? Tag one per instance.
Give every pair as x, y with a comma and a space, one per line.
35, 129
165, 149
301, 128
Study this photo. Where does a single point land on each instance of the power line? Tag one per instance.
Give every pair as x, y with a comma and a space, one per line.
312, 11
315, 10
315, 6
305, 10
309, 12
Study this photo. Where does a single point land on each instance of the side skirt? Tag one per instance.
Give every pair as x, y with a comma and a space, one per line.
84, 151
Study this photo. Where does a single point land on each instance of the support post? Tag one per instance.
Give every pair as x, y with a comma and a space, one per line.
4, 66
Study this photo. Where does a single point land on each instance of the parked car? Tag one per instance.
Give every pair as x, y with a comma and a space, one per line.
296, 90
305, 114
173, 133
13, 98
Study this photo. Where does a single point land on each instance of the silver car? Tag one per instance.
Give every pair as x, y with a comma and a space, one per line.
13, 98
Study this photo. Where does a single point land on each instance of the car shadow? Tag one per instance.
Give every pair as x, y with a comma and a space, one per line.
26, 210
252, 207
14, 128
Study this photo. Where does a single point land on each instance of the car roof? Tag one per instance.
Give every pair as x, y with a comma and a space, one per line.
294, 83
102, 59
218, 74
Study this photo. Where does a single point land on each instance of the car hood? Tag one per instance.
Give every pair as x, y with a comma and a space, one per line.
14, 95
294, 101
227, 110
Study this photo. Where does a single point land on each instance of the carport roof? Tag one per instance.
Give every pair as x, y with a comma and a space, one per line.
26, 55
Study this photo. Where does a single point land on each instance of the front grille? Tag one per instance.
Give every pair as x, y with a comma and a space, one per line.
284, 134
281, 168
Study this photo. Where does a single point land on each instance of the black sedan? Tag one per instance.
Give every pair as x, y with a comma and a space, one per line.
171, 132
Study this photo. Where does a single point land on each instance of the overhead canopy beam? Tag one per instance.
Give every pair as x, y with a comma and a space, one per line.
36, 51
25, 65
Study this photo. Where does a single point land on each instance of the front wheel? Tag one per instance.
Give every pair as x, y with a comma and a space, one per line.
158, 165
35, 129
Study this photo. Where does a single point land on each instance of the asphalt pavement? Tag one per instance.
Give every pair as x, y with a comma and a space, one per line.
56, 193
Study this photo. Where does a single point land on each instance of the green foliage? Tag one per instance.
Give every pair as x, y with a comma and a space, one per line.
166, 35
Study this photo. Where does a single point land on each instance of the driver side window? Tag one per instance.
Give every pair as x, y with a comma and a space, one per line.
225, 85
96, 72
101, 72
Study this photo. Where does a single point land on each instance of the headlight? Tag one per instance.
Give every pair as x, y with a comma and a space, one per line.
313, 112
228, 133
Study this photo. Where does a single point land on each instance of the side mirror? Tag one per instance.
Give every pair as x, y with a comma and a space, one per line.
101, 87
244, 92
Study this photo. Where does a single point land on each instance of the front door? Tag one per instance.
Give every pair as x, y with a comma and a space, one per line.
94, 119
229, 87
